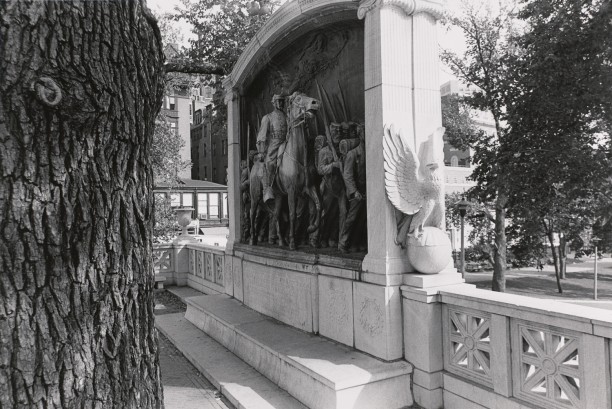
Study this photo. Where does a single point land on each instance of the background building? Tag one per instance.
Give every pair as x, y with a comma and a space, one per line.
208, 199
180, 103
458, 164
208, 149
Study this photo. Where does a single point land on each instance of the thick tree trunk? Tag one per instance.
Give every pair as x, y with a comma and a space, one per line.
499, 267
80, 86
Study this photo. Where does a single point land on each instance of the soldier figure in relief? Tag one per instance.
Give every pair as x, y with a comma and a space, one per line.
246, 198
272, 133
332, 187
355, 182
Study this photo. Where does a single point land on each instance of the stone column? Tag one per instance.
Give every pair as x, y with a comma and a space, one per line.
402, 88
232, 99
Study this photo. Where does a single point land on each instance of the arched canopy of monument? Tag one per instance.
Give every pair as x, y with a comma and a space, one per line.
288, 23
316, 48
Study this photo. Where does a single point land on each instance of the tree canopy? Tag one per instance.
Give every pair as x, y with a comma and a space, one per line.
543, 71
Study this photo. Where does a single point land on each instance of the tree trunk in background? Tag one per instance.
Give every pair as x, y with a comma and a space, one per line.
551, 240
499, 268
76, 284
562, 255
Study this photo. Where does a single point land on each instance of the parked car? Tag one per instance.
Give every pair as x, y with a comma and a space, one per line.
473, 267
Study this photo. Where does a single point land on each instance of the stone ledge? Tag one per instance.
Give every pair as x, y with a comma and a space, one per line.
351, 262
318, 372
243, 386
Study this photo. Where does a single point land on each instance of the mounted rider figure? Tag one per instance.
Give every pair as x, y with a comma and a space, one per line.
272, 134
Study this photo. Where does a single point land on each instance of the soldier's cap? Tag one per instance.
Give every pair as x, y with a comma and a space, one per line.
277, 97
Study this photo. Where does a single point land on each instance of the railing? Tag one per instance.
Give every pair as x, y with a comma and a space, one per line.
555, 357
206, 265
197, 265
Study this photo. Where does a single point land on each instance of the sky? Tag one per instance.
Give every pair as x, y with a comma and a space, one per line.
448, 40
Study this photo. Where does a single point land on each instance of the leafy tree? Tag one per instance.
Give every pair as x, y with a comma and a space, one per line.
166, 157
167, 164
224, 28
80, 89
547, 87
460, 130
483, 64
559, 114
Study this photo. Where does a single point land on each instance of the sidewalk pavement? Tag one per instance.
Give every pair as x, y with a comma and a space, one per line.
184, 386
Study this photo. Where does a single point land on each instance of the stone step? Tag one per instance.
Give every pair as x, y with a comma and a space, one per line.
319, 373
243, 386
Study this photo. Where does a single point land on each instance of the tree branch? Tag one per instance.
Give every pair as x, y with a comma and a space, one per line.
190, 67
489, 216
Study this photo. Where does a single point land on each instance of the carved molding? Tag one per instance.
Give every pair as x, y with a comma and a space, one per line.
410, 7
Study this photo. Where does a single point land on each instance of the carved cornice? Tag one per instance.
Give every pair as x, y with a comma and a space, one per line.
434, 8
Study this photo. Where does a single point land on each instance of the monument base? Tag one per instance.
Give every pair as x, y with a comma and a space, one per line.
317, 372
322, 294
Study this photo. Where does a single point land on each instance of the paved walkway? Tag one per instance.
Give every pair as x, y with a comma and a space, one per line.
184, 386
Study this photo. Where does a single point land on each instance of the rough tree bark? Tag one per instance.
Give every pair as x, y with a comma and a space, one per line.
80, 87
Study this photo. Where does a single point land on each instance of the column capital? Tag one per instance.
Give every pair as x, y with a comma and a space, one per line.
435, 8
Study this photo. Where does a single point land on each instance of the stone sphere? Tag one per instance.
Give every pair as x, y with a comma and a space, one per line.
430, 253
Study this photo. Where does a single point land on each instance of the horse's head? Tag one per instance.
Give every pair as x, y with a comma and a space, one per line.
301, 105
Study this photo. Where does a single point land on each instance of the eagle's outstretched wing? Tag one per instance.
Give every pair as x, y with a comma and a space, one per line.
402, 181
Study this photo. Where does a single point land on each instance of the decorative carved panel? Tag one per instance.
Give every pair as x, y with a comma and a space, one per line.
192, 262
209, 267
467, 344
546, 363
163, 260
200, 264
218, 269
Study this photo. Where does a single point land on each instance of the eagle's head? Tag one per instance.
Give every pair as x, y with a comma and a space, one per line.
433, 171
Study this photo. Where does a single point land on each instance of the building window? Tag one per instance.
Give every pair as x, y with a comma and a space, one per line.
225, 207
175, 200
205, 169
205, 150
202, 206
454, 161
207, 92
224, 147
214, 176
187, 199
174, 128
214, 149
213, 205
171, 103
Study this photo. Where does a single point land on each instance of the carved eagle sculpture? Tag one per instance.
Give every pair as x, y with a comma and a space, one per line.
414, 190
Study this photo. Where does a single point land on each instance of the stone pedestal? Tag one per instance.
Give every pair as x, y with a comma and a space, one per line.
181, 259
423, 338
402, 88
